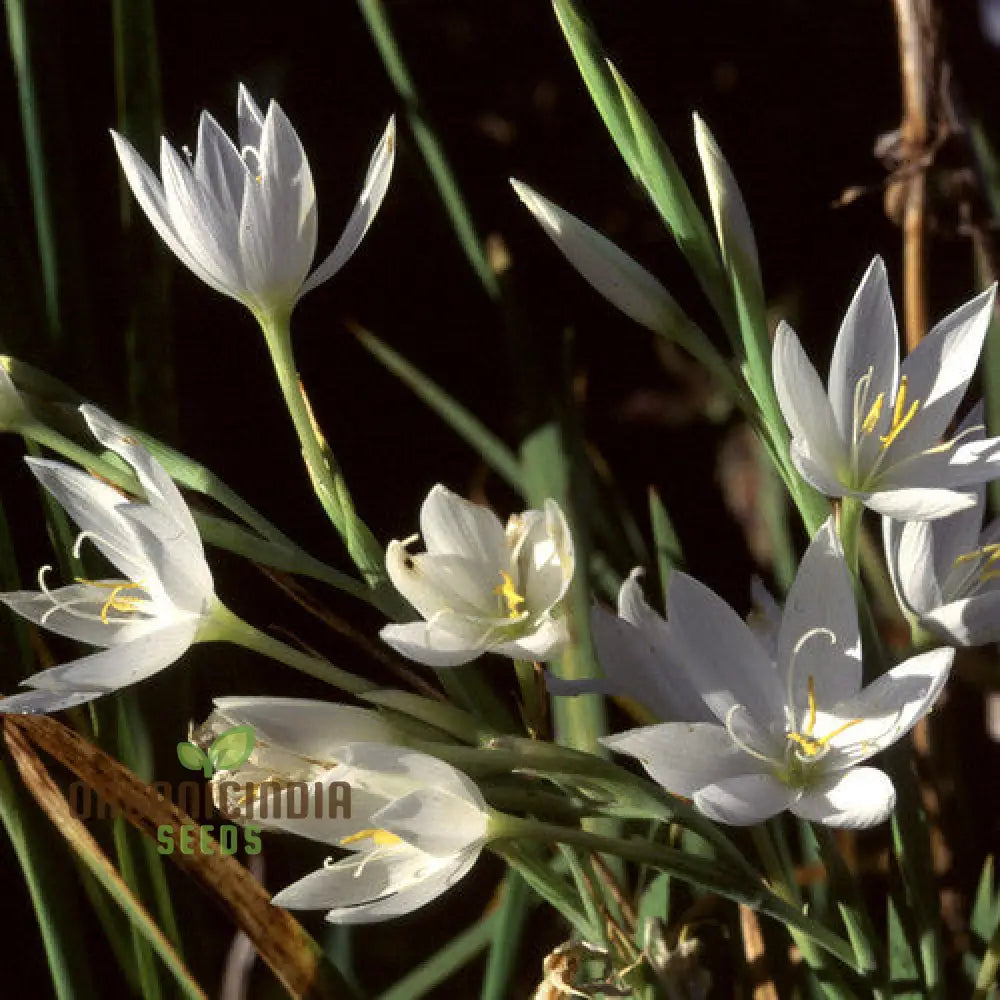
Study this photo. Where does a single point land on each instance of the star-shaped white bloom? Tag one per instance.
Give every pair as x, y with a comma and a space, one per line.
479, 587
946, 572
422, 824
875, 432
149, 618
789, 731
243, 219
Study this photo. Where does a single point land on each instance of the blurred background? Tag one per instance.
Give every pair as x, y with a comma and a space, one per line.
797, 95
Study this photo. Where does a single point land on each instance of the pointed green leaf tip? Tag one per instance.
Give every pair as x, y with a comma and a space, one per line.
191, 756
232, 748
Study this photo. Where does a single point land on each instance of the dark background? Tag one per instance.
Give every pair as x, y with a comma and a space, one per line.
796, 93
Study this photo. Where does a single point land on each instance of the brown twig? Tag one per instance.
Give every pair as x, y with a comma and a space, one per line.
918, 60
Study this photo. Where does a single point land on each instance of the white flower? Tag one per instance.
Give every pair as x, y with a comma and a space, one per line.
296, 740
244, 219
789, 732
479, 587
946, 573
875, 432
422, 826
149, 618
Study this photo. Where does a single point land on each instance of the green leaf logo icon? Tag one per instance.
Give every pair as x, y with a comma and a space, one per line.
231, 749
193, 759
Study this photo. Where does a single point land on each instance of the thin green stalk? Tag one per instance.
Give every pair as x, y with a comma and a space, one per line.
509, 926
327, 479
373, 11
228, 627
68, 967
439, 967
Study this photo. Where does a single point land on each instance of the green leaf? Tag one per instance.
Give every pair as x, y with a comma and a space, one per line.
506, 939
494, 452
191, 756
904, 967
231, 749
665, 541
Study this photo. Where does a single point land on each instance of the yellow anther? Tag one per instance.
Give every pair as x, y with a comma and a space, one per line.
509, 593
115, 601
812, 746
901, 416
871, 421
990, 554
380, 838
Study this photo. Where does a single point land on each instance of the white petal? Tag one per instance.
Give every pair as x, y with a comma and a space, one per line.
684, 757
119, 666
745, 800
918, 503
427, 644
641, 662
939, 368
822, 597
868, 340
804, 402
854, 800
817, 473
409, 898
765, 619
372, 192
149, 193
545, 643
75, 612
91, 504
178, 560
434, 821
545, 559
452, 525
725, 662
250, 119
307, 727
200, 222
219, 166
974, 621
459, 586
887, 708
45, 702
910, 552
161, 491
623, 282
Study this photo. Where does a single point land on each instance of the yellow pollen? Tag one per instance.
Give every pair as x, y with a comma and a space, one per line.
115, 601
871, 421
901, 416
380, 838
509, 593
991, 556
813, 745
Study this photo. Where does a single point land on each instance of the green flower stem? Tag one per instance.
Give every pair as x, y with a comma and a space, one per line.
619, 793
849, 528
533, 697
327, 479
226, 627
710, 875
